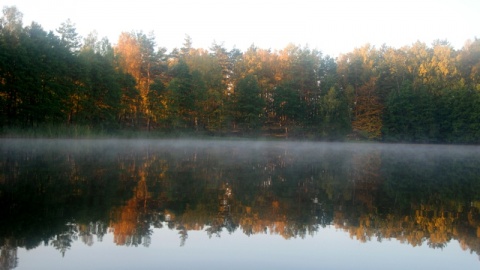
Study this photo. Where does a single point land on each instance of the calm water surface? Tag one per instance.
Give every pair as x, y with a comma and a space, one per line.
178, 204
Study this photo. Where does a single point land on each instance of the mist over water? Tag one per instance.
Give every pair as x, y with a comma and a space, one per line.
177, 195
242, 147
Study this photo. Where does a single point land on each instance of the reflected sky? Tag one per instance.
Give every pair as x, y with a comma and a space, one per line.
330, 248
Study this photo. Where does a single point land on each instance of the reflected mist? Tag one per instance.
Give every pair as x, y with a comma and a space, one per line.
55, 193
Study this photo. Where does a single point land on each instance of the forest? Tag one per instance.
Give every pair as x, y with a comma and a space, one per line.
416, 93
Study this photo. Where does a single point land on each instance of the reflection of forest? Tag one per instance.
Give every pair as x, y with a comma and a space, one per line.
60, 195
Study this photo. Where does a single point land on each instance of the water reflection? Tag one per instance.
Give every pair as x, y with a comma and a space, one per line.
58, 192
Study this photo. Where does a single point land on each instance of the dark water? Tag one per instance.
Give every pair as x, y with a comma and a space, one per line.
131, 204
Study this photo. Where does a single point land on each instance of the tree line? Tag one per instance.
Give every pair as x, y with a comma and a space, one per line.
416, 93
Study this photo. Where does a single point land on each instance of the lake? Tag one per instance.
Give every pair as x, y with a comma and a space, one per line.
237, 204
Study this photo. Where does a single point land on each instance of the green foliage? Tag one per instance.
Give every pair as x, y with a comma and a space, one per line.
102, 104
184, 103
334, 114
248, 104
410, 115
130, 100
69, 36
458, 116
200, 95
156, 100
288, 105
35, 76
417, 116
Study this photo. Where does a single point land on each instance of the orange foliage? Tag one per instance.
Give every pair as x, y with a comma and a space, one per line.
130, 57
368, 111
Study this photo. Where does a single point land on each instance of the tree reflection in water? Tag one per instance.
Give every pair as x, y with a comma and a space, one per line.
57, 192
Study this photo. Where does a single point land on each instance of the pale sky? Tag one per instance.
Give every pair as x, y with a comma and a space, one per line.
332, 26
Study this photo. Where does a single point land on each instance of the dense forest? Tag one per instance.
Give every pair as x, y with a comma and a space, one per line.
416, 93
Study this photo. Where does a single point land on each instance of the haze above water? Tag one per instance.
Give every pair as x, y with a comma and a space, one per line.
190, 204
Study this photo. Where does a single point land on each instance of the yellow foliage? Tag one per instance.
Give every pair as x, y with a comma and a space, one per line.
130, 56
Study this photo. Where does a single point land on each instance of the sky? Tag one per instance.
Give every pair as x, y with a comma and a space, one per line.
333, 26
